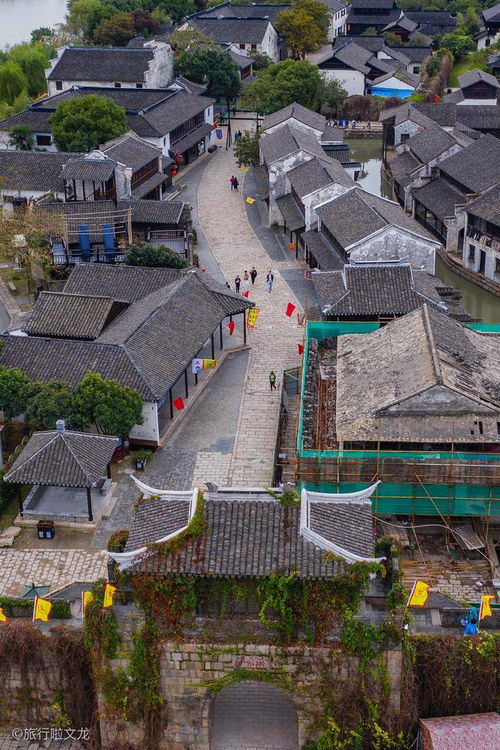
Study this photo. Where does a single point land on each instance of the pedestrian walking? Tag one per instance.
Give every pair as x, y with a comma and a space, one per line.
253, 275
237, 283
269, 281
235, 183
246, 277
233, 178
272, 380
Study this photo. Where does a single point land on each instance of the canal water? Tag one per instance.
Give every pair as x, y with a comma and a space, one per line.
18, 18
479, 302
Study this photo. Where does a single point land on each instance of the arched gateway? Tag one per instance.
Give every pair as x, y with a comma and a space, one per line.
253, 715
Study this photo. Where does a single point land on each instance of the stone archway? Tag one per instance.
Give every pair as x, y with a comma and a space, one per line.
253, 716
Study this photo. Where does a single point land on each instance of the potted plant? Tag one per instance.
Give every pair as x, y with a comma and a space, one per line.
141, 458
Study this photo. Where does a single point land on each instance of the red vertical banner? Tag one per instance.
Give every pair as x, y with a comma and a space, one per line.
300, 348
178, 403
245, 294
231, 327
289, 310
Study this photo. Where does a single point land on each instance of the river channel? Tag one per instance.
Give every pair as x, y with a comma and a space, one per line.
18, 18
479, 302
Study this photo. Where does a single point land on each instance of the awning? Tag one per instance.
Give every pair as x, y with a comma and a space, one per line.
190, 140
261, 176
149, 185
290, 213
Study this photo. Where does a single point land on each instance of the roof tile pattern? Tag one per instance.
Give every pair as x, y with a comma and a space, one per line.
63, 315
349, 525
102, 64
156, 518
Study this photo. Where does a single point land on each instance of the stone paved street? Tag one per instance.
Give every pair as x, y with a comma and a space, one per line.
275, 337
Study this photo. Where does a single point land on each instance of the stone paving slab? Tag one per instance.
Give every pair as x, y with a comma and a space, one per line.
275, 337
54, 568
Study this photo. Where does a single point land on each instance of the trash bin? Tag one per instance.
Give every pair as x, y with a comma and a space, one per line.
45, 529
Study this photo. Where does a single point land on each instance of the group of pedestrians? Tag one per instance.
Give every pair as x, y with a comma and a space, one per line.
244, 284
234, 182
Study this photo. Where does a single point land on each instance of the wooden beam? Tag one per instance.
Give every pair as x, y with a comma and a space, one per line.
186, 383
89, 503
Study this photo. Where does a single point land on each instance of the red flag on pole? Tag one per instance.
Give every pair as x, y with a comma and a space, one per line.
300, 348
231, 327
437, 98
289, 310
178, 403
245, 294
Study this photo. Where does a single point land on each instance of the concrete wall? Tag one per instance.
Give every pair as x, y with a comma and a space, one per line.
316, 199
278, 182
270, 45
352, 80
491, 255
337, 24
149, 429
406, 128
394, 242
161, 67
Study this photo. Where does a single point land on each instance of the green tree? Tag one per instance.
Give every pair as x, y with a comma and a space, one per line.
84, 15
144, 23
43, 34
158, 256
331, 96
370, 31
51, 401
261, 61
178, 9
392, 39
458, 43
33, 59
113, 408
12, 81
213, 67
189, 40
418, 40
82, 124
15, 391
283, 83
304, 26
21, 137
246, 149
116, 31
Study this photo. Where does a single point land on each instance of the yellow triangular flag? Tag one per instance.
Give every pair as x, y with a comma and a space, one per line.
244, 169
109, 593
418, 595
41, 609
3, 617
250, 200
485, 610
87, 597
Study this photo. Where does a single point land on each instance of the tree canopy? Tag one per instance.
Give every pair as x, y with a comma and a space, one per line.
51, 401
281, 84
213, 67
304, 26
113, 408
154, 256
331, 96
189, 40
21, 137
12, 81
83, 124
458, 43
246, 149
115, 31
15, 391
33, 59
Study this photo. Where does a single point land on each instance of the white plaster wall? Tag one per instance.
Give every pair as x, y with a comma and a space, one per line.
406, 128
278, 182
163, 143
270, 44
161, 67
149, 429
296, 124
396, 243
421, 176
337, 24
352, 80
31, 196
311, 202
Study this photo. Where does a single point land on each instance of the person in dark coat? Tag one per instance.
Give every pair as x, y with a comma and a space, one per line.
237, 283
253, 275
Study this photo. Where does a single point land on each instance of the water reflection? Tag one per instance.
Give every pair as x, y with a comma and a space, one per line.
479, 302
368, 151
18, 18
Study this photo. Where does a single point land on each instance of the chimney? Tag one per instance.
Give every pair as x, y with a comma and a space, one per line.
60, 425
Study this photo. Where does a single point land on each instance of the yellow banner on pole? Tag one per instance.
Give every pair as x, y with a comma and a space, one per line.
418, 595
209, 364
3, 616
109, 593
87, 597
485, 609
41, 609
250, 200
253, 314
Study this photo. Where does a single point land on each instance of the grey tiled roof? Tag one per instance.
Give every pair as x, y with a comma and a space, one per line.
477, 167
373, 4
75, 316
439, 198
492, 14
432, 17
148, 185
131, 151
401, 166
102, 64
287, 140
353, 56
291, 214
314, 175
430, 143
83, 168
236, 30
256, 10
63, 459
349, 218
128, 283
372, 290
32, 170
325, 254
245, 538
190, 140
153, 212
474, 76
413, 54
156, 518
349, 525
298, 112
261, 176
373, 43
394, 214
332, 135
487, 206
